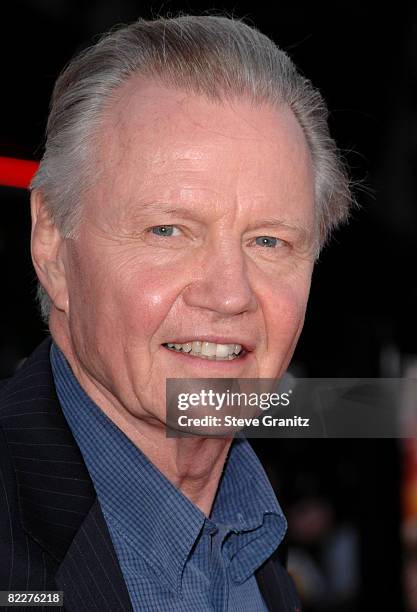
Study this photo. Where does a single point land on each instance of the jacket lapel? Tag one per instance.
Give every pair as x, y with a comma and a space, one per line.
89, 574
277, 587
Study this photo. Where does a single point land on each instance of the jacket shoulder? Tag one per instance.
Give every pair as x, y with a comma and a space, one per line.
23, 565
34, 371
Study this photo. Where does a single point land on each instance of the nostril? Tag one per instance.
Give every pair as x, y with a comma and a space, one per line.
221, 295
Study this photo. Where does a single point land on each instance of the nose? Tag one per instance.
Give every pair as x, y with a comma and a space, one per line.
222, 284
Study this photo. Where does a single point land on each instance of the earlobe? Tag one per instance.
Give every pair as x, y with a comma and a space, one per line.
47, 247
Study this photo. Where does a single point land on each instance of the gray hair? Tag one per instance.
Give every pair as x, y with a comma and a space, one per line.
211, 55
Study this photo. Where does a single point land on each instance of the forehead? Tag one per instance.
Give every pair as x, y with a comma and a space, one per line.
146, 112
158, 138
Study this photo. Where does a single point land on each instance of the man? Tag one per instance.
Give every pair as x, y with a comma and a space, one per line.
187, 184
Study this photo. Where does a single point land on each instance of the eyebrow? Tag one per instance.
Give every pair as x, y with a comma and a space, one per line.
169, 210
187, 213
275, 222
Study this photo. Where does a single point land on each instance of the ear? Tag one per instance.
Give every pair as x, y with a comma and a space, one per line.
47, 247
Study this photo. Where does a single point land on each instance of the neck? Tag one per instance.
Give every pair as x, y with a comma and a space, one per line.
193, 464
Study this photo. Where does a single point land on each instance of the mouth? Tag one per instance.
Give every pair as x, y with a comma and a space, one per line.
213, 351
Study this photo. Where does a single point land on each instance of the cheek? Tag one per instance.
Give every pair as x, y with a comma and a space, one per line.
144, 300
120, 296
284, 313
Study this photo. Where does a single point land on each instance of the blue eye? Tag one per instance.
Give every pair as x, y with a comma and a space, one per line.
163, 230
267, 241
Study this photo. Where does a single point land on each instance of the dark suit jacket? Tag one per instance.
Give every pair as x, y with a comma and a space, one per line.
53, 535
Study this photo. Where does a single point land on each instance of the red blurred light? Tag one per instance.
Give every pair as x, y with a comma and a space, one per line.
17, 172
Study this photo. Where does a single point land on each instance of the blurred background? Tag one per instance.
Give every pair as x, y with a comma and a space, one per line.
349, 503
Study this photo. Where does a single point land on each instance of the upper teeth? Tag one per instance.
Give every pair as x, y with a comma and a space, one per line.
208, 349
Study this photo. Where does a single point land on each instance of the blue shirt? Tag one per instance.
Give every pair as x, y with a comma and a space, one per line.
171, 555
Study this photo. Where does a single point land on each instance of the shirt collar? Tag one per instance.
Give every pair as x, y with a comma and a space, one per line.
246, 502
149, 512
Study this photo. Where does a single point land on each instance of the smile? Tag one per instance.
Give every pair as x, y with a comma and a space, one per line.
208, 350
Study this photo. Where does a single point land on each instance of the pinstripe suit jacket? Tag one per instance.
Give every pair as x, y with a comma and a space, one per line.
53, 535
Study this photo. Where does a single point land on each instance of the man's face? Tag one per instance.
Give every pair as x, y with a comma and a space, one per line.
199, 229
